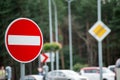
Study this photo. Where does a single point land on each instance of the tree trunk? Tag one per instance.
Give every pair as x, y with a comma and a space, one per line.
88, 44
61, 53
62, 60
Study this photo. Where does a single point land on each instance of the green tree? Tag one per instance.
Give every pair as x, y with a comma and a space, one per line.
84, 17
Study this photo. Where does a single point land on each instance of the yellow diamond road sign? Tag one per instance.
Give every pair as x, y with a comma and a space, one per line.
99, 30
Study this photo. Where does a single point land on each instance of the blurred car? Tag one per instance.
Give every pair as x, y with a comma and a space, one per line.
33, 77
64, 75
112, 68
93, 73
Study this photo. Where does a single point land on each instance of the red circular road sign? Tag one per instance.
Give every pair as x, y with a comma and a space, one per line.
23, 40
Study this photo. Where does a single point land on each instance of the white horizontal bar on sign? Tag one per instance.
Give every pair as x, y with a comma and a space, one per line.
23, 40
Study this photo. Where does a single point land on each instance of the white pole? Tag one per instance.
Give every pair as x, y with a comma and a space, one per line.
56, 33
100, 58
99, 9
51, 36
70, 34
50, 21
100, 43
22, 66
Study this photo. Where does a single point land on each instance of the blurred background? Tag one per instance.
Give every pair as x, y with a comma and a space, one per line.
83, 16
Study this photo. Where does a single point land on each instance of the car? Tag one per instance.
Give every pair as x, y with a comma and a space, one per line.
93, 73
33, 77
64, 75
112, 68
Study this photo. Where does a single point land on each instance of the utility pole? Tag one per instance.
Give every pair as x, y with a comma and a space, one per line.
70, 33
51, 36
56, 33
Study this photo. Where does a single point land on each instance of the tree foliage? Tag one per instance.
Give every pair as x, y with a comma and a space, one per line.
54, 46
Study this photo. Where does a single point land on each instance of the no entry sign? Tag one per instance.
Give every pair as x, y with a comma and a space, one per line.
23, 40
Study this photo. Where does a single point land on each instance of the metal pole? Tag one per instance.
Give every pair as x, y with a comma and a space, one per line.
100, 58
70, 34
50, 26
57, 60
22, 66
56, 33
39, 60
100, 43
99, 9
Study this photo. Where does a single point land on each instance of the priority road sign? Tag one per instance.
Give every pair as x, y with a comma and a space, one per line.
99, 30
23, 40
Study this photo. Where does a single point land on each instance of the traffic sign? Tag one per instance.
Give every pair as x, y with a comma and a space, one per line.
44, 57
99, 30
23, 40
47, 57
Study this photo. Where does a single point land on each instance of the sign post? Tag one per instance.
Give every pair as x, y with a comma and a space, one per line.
22, 68
99, 31
99, 42
23, 41
100, 58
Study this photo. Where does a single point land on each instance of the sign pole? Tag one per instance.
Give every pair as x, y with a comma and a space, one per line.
70, 34
22, 43
100, 57
50, 26
22, 66
99, 9
39, 61
56, 33
99, 31
100, 42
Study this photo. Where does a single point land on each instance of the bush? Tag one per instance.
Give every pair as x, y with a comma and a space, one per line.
78, 66
54, 46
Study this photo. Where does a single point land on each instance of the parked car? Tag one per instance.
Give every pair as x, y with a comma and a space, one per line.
64, 75
33, 77
93, 73
113, 69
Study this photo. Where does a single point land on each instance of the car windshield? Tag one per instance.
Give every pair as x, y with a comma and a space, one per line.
104, 70
91, 71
